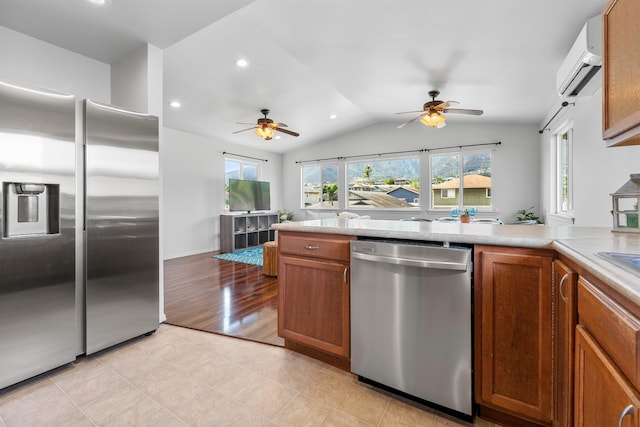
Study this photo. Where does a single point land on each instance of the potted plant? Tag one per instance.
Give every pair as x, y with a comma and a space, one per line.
285, 215
465, 216
527, 216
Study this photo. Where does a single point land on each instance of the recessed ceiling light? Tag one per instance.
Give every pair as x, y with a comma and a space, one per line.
175, 104
100, 2
333, 116
242, 62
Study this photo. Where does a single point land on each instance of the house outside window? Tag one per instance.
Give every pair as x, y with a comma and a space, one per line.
391, 183
449, 191
237, 169
320, 186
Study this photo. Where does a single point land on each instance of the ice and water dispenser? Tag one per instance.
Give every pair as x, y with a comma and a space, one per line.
31, 209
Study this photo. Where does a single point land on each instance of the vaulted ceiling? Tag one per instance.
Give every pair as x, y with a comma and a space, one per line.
361, 60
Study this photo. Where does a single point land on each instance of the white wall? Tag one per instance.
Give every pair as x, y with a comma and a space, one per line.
598, 171
27, 60
515, 172
193, 189
129, 81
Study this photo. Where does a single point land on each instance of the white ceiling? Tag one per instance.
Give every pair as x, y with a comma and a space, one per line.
362, 60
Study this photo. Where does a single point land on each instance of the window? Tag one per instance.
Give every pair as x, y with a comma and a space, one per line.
448, 193
320, 186
236, 169
564, 181
473, 190
384, 184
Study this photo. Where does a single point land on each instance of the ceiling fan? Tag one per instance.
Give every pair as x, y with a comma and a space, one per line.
431, 114
265, 127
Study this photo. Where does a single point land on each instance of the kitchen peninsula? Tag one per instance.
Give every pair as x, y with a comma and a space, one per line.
539, 292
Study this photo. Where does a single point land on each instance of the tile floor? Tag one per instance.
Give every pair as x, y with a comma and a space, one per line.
180, 377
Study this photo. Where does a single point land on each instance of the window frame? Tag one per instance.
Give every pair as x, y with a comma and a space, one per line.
322, 165
462, 154
242, 163
559, 169
451, 193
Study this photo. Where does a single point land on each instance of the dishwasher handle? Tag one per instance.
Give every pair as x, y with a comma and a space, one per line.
412, 262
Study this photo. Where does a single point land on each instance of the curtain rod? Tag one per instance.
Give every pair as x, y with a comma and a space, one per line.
420, 150
246, 157
545, 127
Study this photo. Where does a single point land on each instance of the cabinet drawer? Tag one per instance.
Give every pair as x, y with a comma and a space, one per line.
327, 246
617, 331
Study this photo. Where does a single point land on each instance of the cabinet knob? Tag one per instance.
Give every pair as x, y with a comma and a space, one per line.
312, 247
626, 411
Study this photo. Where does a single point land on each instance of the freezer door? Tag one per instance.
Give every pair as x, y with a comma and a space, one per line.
37, 234
121, 240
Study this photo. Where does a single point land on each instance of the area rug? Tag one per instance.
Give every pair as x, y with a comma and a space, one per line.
247, 256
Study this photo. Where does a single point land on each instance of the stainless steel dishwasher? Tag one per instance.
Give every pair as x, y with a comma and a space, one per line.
411, 320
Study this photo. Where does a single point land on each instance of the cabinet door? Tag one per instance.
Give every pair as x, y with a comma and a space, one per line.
514, 361
564, 294
620, 94
314, 303
603, 395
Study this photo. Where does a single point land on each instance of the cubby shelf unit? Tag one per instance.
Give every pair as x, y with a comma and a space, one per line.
243, 231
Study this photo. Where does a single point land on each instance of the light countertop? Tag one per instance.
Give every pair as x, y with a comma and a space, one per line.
578, 243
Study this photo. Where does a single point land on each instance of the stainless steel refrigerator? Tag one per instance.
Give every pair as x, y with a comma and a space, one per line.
76, 275
121, 223
37, 231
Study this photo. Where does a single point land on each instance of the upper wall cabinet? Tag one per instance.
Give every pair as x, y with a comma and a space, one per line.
621, 80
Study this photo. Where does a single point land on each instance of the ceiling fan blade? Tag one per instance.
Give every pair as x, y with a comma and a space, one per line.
275, 125
408, 112
243, 130
411, 121
445, 104
243, 123
288, 132
463, 111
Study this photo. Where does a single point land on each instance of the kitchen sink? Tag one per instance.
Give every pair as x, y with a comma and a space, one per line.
630, 262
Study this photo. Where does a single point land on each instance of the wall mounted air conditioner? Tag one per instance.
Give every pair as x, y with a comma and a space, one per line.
579, 72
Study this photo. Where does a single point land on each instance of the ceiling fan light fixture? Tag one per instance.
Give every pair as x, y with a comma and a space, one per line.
265, 132
433, 119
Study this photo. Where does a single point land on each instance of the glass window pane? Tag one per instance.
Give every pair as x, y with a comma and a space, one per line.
445, 181
564, 178
477, 180
231, 170
235, 169
311, 191
250, 172
330, 185
384, 184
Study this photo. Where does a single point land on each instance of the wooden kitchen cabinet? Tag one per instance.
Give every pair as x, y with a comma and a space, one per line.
513, 335
313, 295
621, 75
565, 297
603, 394
607, 373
